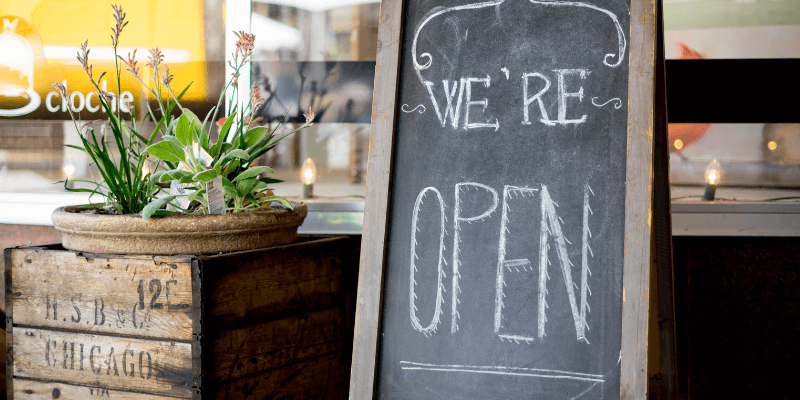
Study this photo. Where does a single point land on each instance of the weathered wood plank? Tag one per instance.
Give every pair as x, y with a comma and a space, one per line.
638, 200
262, 310
150, 366
321, 378
274, 344
26, 389
142, 297
370, 278
9, 323
251, 286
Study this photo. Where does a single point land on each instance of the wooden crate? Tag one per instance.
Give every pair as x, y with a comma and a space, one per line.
264, 324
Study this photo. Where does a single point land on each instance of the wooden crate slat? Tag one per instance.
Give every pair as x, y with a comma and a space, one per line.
274, 344
140, 297
321, 378
253, 285
265, 323
157, 367
26, 389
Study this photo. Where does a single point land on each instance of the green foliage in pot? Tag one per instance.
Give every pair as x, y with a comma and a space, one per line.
199, 160
125, 188
186, 154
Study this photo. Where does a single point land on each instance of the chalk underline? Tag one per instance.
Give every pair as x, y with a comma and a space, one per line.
510, 371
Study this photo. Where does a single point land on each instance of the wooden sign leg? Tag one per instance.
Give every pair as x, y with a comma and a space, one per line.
662, 226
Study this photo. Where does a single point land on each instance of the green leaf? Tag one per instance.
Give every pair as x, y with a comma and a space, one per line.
219, 148
193, 195
151, 208
171, 127
279, 199
253, 172
183, 131
161, 213
174, 140
238, 153
156, 176
258, 187
205, 176
204, 136
245, 186
174, 174
76, 148
195, 125
202, 200
223, 133
269, 180
231, 191
167, 151
230, 168
187, 179
252, 199
254, 135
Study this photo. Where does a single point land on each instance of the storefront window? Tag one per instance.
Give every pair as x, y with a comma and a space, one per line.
321, 54
318, 54
39, 42
764, 154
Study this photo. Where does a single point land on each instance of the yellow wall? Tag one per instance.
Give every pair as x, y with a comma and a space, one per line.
166, 24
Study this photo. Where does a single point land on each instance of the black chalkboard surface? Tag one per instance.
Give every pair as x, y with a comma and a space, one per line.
504, 229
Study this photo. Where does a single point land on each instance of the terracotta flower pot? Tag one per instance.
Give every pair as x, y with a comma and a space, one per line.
178, 233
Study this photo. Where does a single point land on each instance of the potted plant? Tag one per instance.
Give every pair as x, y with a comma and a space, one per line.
218, 198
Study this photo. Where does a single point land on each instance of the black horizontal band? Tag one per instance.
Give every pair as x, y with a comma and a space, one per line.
733, 91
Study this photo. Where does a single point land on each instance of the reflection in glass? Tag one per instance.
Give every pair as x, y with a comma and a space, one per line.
764, 154
319, 54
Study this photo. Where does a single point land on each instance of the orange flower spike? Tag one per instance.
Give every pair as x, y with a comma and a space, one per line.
309, 117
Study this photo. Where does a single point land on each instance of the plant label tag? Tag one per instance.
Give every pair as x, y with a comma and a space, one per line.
179, 189
216, 196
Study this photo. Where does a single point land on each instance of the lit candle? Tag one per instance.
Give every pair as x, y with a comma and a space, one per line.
69, 171
308, 174
713, 176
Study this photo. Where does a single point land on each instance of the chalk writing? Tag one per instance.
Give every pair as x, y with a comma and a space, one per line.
404, 106
550, 233
453, 103
620, 33
440, 266
485, 103
465, 186
616, 101
502, 263
450, 109
511, 371
513, 191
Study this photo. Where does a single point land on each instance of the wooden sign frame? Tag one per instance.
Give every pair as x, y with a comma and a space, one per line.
638, 199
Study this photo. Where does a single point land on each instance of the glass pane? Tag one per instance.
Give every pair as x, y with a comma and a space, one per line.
39, 42
318, 54
764, 154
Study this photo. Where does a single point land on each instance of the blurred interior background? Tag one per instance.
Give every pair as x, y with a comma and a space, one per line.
321, 53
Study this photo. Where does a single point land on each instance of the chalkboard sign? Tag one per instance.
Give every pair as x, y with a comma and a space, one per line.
509, 200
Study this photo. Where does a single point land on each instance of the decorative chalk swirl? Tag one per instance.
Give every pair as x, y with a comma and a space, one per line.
622, 43
403, 109
616, 100
419, 67
620, 34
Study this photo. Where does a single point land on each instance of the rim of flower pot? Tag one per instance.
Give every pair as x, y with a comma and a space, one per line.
178, 233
